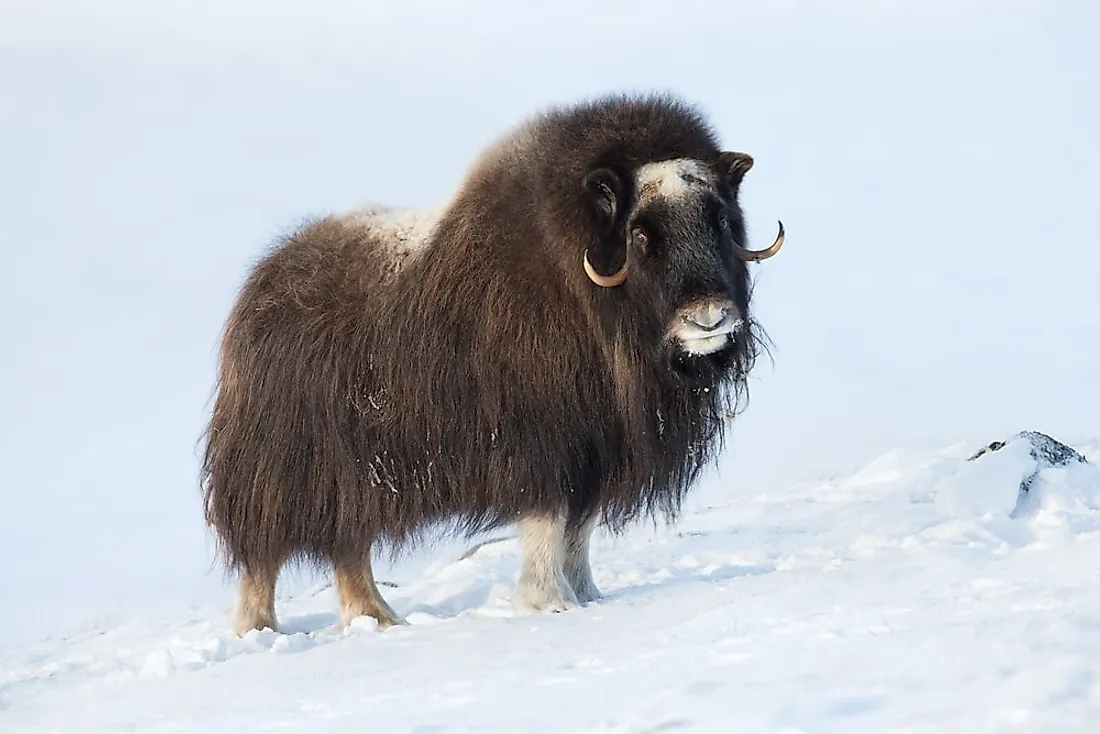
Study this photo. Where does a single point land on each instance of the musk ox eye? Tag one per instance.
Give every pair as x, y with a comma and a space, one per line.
640, 238
724, 222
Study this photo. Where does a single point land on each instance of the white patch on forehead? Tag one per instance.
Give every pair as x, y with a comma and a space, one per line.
402, 232
673, 178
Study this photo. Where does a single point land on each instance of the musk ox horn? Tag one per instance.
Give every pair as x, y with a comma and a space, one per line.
758, 255
604, 281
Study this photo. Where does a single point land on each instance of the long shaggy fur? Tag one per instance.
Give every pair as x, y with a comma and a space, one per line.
484, 380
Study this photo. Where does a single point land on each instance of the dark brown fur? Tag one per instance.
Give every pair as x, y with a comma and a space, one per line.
487, 380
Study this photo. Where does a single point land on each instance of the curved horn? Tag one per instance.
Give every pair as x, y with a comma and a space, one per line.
758, 255
605, 281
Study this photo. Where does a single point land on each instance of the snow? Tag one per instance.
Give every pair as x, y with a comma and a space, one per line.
857, 604
937, 168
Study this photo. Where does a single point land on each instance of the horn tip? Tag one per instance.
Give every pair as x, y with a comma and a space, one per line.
604, 281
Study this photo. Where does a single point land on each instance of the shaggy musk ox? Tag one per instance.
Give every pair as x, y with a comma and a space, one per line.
558, 346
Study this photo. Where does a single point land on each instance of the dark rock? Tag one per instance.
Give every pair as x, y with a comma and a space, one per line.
1047, 452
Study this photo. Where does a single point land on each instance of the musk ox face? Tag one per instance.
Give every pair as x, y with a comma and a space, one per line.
677, 229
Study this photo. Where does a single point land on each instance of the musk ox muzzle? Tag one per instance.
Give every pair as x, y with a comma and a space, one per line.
707, 326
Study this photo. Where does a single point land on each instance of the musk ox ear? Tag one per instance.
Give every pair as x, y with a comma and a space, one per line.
605, 190
733, 167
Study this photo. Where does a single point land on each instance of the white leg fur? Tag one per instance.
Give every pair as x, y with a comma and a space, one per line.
542, 585
578, 568
255, 604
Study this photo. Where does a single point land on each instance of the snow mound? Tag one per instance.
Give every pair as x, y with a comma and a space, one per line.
1030, 475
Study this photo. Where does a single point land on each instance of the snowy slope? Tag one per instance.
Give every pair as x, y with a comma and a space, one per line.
914, 595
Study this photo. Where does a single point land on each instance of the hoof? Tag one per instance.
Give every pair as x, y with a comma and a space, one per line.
543, 600
395, 621
385, 617
588, 595
242, 627
545, 606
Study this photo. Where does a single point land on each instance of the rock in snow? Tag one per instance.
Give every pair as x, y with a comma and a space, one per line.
1020, 475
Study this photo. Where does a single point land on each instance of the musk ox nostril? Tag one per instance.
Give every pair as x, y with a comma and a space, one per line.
710, 316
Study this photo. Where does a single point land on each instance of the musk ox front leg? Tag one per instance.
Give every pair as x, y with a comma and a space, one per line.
542, 585
359, 594
578, 568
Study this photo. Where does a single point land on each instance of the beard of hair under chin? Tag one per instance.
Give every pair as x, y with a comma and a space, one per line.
725, 368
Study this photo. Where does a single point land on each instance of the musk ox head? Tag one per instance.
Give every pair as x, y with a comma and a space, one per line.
673, 232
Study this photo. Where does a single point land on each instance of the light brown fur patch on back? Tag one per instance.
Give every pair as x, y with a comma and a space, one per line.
404, 232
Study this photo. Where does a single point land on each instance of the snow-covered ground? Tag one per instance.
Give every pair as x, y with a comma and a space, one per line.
916, 595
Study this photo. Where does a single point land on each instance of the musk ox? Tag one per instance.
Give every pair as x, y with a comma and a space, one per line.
558, 347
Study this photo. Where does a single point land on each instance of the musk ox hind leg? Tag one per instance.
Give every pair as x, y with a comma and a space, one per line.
359, 595
542, 585
578, 567
256, 601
